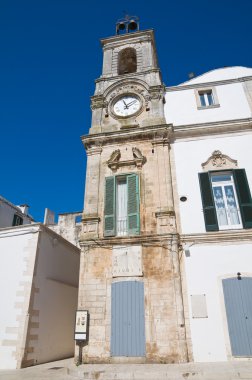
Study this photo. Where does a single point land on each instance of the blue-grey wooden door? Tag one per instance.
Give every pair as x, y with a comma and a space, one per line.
127, 319
238, 302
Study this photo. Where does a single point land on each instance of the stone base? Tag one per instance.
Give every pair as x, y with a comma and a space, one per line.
196, 371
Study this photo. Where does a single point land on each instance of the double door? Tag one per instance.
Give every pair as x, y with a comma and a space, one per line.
238, 302
127, 319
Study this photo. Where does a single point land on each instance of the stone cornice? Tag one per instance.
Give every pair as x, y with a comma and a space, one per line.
153, 132
128, 37
168, 132
127, 77
141, 239
230, 236
207, 84
212, 128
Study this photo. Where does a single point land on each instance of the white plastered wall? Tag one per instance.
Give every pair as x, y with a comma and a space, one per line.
188, 157
181, 105
39, 275
205, 268
56, 282
17, 253
7, 213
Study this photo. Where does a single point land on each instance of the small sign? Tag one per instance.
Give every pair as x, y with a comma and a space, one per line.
81, 324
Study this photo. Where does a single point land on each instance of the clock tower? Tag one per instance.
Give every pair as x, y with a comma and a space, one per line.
130, 279
129, 92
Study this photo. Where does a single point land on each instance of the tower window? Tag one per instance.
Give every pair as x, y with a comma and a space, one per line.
121, 212
127, 61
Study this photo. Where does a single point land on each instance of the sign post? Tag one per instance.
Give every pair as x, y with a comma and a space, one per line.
81, 330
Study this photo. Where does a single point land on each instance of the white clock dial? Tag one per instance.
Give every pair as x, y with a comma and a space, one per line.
127, 105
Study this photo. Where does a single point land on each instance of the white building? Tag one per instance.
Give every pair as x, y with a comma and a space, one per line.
11, 215
212, 177
38, 292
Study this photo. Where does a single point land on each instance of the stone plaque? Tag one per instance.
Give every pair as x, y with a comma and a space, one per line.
127, 261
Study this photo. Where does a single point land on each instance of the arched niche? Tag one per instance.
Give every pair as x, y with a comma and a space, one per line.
127, 61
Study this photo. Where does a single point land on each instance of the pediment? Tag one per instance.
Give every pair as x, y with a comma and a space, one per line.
218, 160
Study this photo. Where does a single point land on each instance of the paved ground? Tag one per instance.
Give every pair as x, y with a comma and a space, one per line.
66, 370
48, 371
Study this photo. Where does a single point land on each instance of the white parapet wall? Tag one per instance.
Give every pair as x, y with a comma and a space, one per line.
18, 247
230, 98
38, 292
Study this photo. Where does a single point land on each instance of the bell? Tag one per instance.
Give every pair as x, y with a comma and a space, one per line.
132, 25
121, 26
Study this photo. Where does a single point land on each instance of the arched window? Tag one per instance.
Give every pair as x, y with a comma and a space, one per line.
127, 61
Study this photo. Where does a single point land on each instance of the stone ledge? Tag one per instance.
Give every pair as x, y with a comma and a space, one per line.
237, 236
125, 240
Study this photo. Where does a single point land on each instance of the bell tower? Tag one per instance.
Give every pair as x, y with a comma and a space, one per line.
130, 274
129, 92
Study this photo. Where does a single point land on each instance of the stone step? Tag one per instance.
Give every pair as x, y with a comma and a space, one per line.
186, 371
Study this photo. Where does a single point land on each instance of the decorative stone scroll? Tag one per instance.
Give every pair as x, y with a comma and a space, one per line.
114, 161
219, 161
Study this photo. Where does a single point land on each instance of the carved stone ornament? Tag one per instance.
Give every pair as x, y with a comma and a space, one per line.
114, 161
98, 101
156, 92
219, 161
115, 157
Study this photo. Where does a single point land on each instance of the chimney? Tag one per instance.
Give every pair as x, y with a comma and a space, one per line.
24, 209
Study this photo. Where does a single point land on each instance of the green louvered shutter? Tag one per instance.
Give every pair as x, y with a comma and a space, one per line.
109, 210
208, 203
244, 196
133, 204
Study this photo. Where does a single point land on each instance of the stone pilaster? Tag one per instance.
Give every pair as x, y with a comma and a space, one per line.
165, 205
90, 218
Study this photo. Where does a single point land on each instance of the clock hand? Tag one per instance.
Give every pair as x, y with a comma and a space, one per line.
126, 105
131, 103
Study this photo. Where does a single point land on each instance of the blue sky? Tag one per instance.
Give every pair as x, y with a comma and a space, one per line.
50, 57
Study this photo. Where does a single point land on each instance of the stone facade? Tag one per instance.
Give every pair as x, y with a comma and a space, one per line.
118, 147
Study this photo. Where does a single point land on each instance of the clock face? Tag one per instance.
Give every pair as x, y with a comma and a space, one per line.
127, 105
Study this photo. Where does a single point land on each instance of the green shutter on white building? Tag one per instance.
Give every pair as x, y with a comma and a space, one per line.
244, 196
208, 202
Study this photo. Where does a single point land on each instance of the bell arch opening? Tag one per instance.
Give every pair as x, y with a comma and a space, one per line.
127, 61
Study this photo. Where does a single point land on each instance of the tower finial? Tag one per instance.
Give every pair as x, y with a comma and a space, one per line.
127, 24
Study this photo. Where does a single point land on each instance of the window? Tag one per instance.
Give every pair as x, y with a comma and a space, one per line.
226, 200
206, 98
17, 220
127, 61
121, 213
